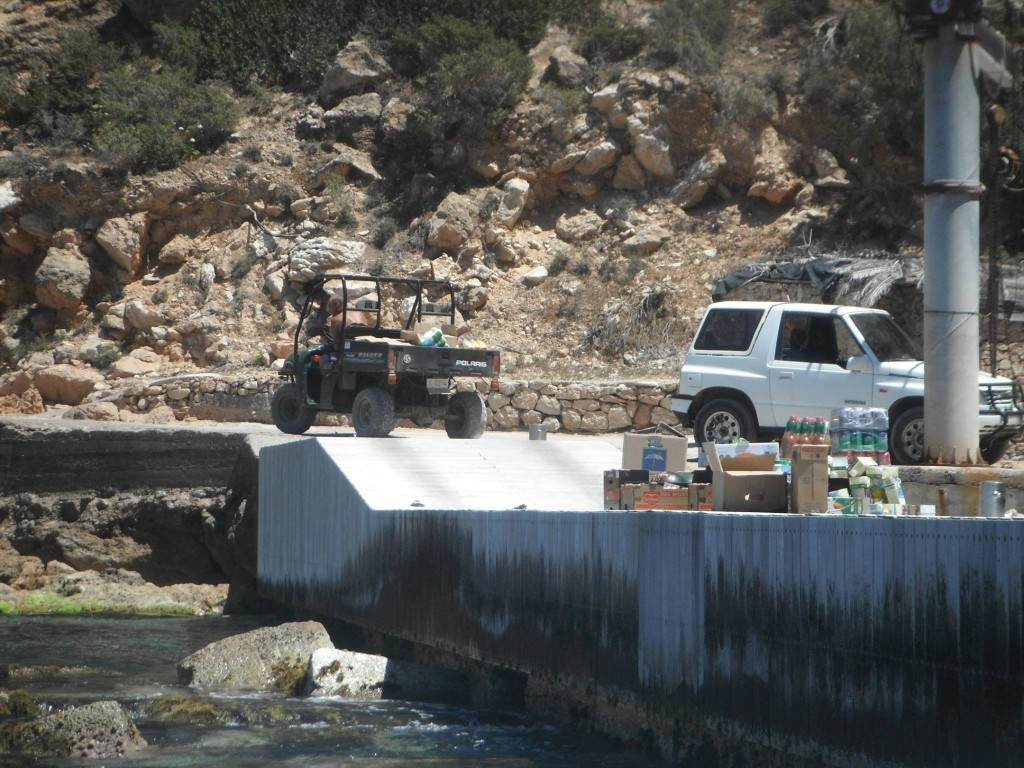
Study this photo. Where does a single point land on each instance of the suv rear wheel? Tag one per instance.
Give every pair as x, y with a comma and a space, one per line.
724, 420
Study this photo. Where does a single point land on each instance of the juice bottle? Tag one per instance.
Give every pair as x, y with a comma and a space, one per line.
789, 438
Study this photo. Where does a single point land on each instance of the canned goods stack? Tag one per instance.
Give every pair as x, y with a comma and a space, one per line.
861, 432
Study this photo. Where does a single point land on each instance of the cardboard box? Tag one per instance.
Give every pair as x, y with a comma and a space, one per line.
735, 450
700, 497
654, 452
451, 332
809, 491
615, 480
746, 481
662, 498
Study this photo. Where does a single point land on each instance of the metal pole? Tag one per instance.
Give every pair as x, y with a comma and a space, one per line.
951, 233
995, 190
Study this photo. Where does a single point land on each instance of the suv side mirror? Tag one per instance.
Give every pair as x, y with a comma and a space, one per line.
859, 363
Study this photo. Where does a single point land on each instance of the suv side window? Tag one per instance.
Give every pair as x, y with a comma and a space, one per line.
728, 330
812, 338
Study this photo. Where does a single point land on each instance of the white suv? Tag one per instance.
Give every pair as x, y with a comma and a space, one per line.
752, 364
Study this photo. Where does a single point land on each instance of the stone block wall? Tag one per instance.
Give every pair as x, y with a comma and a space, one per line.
570, 406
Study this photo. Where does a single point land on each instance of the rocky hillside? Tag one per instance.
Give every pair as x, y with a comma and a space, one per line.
584, 239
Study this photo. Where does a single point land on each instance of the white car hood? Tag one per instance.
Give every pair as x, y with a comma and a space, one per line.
914, 369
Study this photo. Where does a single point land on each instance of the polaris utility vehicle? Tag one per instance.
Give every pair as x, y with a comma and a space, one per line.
753, 363
355, 364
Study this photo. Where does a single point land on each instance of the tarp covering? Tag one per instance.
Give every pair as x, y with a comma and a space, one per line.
860, 280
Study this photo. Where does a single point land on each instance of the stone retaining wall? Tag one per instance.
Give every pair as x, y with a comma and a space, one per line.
579, 406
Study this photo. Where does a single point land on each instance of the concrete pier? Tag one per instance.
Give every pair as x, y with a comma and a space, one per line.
813, 640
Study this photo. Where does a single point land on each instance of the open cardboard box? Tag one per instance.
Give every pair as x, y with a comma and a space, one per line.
654, 452
746, 479
451, 332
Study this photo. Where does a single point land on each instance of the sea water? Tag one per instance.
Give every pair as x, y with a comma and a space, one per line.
80, 659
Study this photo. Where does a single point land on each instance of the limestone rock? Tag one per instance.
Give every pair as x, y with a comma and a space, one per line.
354, 119
585, 225
8, 197
773, 178
102, 729
95, 412
451, 225
394, 119
470, 299
362, 676
136, 363
535, 276
179, 250
314, 257
35, 226
346, 163
700, 179
62, 279
266, 658
567, 68
646, 241
606, 98
651, 148
66, 384
512, 203
138, 315
629, 174
355, 69
124, 241
598, 158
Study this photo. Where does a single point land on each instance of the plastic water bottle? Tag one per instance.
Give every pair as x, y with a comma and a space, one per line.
433, 338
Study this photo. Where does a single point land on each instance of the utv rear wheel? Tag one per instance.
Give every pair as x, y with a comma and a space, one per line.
724, 421
289, 410
373, 413
466, 417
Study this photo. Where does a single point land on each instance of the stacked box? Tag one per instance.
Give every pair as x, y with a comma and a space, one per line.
634, 489
700, 497
809, 491
860, 432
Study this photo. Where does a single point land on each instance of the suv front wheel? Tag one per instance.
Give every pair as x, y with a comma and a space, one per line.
724, 420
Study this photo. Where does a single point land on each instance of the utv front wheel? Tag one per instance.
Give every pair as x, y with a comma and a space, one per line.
373, 413
289, 410
466, 417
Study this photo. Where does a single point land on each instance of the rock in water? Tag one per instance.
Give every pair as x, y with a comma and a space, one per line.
266, 658
101, 729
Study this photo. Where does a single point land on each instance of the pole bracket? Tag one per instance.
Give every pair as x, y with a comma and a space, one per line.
973, 189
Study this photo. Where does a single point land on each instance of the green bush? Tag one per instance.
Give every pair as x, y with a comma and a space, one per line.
272, 41
779, 14
59, 84
875, 76
612, 42
692, 34
522, 22
155, 120
472, 77
744, 103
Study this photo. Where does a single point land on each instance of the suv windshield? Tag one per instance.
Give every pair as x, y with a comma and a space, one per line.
886, 339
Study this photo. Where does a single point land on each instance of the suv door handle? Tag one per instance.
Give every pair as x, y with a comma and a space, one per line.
787, 375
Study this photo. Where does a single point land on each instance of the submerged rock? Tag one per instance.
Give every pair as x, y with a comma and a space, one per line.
100, 729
